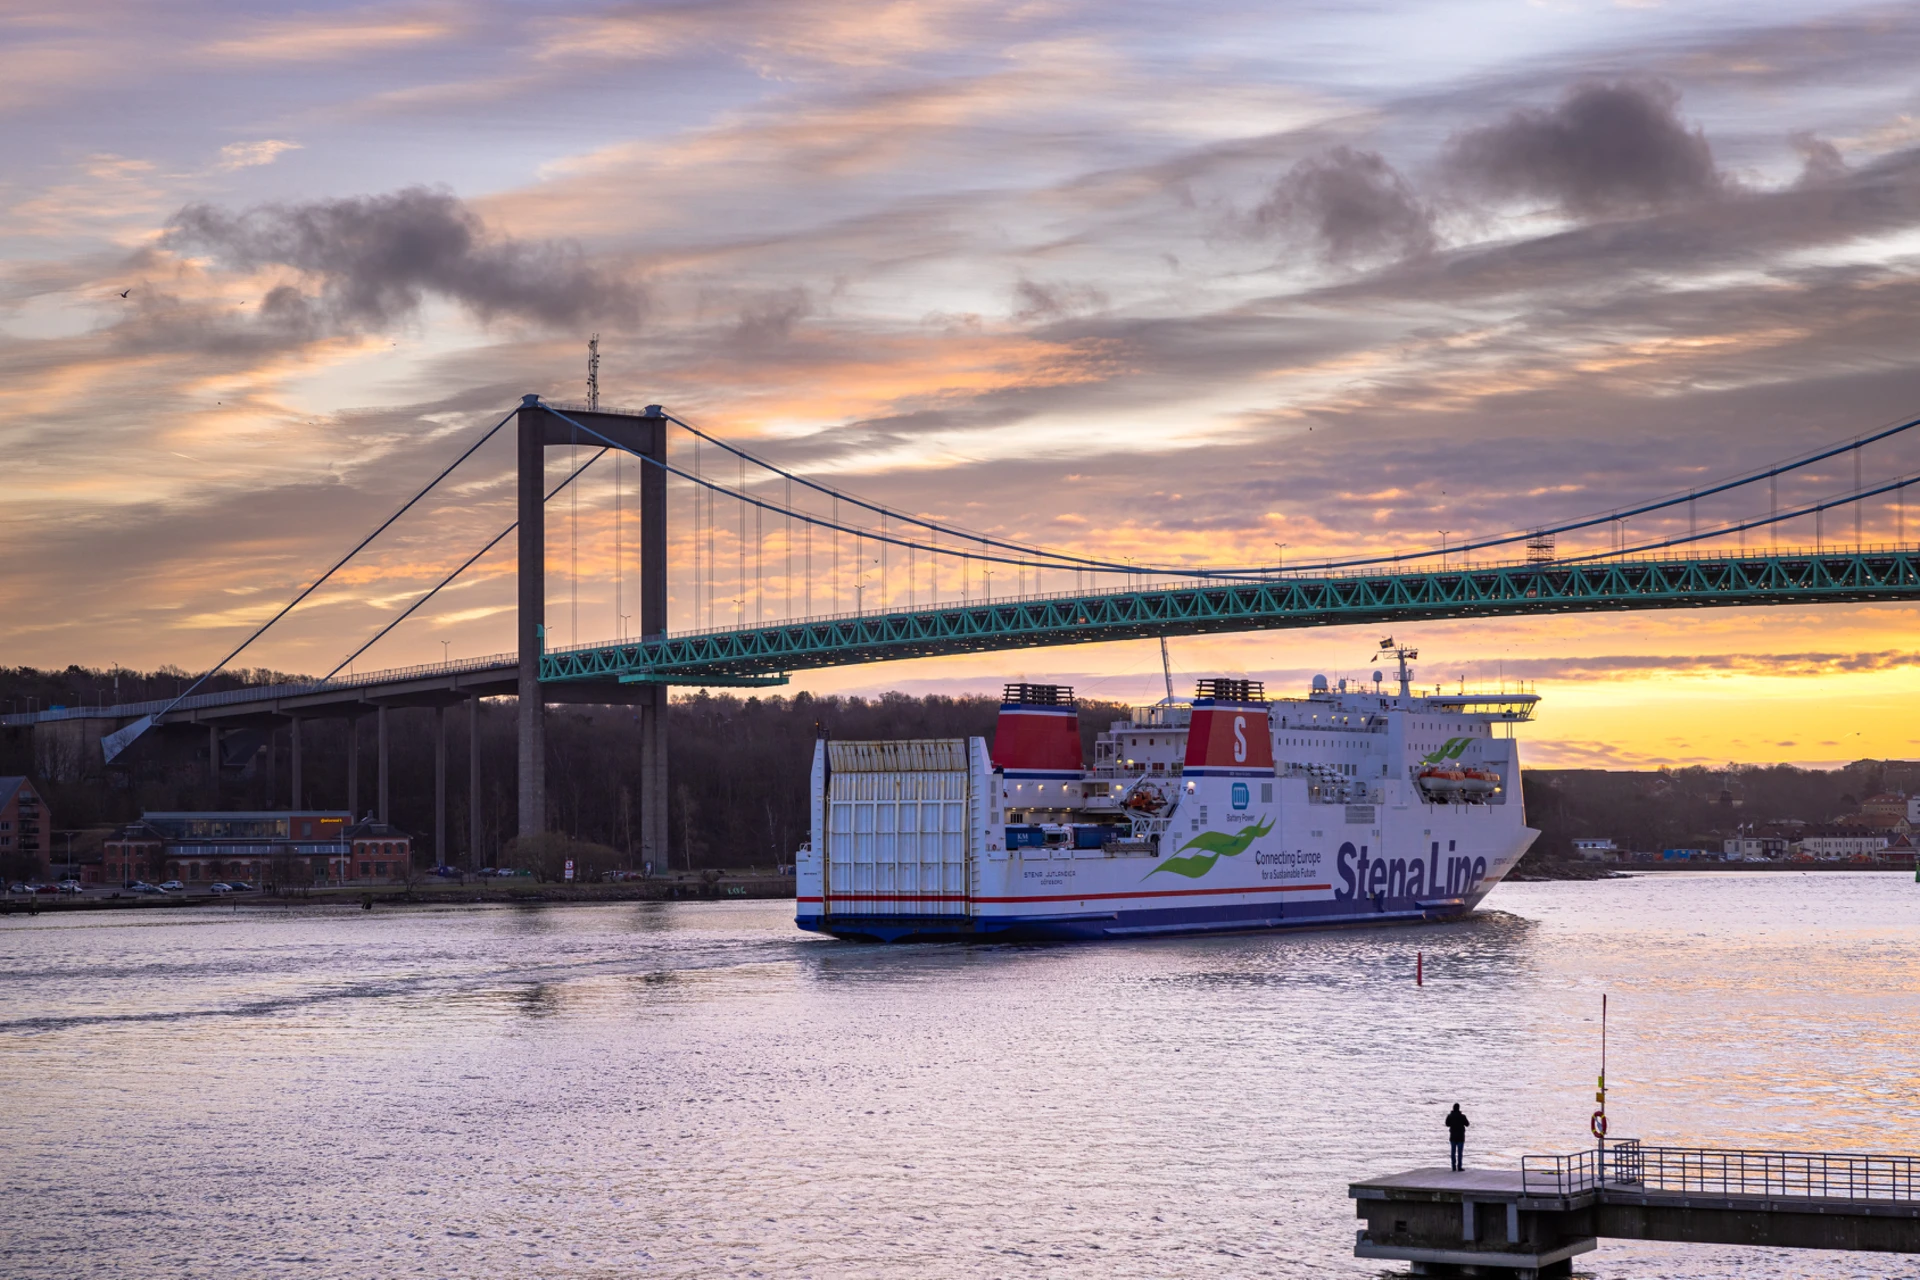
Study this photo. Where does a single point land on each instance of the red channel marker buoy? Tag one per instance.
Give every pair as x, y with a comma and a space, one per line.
1419, 969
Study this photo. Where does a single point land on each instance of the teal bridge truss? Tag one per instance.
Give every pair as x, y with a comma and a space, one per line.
766, 654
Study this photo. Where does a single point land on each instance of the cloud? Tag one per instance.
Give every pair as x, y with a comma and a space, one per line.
309, 39
1726, 664
1606, 148
1820, 160
244, 155
1039, 300
1353, 203
374, 259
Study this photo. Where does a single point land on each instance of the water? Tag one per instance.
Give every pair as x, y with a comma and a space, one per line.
697, 1089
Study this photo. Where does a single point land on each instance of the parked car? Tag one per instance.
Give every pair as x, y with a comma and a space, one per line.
68, 886
16, 887
171, 886
219, 887
141, 886
44, 888
239, 886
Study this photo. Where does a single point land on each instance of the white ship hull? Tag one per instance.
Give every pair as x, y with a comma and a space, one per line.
1352, 815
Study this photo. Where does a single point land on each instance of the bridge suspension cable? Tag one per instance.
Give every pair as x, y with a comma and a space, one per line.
467, 564
1041, 556
114, 743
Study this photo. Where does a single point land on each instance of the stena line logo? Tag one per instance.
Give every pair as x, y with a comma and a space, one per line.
1451, 749
1365, 876
1240, 743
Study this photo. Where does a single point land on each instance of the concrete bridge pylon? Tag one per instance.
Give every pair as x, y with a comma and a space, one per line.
644, 433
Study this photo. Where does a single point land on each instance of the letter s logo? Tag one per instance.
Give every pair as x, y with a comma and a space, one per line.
1240, 738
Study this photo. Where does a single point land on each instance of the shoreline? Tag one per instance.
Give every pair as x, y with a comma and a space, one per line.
684, 887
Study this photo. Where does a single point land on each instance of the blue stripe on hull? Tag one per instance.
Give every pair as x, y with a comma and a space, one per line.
1153, 922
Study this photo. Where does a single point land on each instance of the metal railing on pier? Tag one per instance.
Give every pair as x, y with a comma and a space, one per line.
1812, 1175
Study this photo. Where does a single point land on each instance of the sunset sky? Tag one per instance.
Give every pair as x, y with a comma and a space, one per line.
1203, 284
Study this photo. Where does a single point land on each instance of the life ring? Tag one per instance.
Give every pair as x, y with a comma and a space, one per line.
1599, 1125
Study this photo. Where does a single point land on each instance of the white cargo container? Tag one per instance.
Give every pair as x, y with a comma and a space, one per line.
897, 827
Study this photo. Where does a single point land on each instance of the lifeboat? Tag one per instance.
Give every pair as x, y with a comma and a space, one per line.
1442, 781
1478, 784
1144, 800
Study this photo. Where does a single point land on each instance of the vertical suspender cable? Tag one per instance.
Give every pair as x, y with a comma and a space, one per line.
807, 604
786, 543
883, 561
1857, 504
834, 577
759, 578
713, 560
573, 545
740, 552
697, 492
619, 563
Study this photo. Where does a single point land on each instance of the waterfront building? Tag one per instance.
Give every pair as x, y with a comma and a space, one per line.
26, 826
304, 847
1757, 846
1833, 844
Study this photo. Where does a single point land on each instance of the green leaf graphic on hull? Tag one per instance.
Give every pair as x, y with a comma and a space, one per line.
1214, 845
1451, 749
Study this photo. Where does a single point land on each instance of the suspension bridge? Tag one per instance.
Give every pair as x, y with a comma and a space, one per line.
922, 587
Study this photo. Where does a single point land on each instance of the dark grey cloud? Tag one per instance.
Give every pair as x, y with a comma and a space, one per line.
769, 320
1820, 160
1041, 300
1354, 205
377, 258
1608, 147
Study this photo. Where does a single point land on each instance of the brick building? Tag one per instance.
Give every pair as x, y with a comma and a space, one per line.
319, 847
26, 826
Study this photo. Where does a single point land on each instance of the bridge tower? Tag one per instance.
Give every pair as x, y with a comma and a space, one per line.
646, 434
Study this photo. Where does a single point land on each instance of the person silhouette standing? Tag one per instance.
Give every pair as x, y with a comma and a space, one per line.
1457, 1123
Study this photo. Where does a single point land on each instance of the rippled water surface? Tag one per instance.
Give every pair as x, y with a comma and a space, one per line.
698, 1090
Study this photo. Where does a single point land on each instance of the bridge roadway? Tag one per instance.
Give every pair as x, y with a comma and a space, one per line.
766, 655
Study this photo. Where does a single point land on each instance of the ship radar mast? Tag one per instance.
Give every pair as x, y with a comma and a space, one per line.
1401, 652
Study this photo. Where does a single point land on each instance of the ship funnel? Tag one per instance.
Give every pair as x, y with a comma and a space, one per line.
1038, 734
1228, 735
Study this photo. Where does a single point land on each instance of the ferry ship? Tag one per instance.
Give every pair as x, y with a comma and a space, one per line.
1229, 811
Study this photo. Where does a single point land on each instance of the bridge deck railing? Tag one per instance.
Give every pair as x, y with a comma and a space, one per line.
1254, 578
1822, 1175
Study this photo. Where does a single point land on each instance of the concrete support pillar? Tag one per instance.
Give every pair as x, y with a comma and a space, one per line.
273, 763
653, 625
353, 769
299, 796
380, 782
439, 786
474, 855
533, 614
213, 766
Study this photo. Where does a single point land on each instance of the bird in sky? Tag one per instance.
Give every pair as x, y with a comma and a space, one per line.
125, 292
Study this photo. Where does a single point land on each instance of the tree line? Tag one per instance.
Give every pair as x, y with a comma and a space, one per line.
738, 769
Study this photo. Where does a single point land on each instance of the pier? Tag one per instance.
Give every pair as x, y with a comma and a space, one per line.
1532, 1221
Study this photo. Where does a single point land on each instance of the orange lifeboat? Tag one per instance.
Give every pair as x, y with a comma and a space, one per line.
1442, 781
